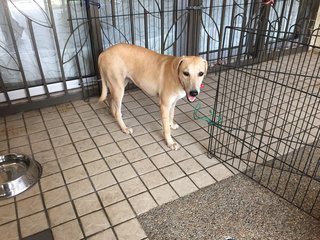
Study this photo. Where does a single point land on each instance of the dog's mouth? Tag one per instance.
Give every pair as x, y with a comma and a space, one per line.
191, 98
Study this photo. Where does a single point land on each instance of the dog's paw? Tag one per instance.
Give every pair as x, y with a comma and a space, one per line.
127, 130
174, 146
174, 126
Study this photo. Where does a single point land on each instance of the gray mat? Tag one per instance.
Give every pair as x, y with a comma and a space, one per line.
235, 208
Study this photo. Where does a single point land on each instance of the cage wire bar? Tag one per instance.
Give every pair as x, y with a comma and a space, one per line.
269, 103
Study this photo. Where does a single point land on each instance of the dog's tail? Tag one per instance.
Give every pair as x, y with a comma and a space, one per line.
104, 86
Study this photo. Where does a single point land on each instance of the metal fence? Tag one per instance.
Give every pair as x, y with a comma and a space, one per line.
266, 118
49, 48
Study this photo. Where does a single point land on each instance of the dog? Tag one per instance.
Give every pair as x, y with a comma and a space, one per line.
168, 77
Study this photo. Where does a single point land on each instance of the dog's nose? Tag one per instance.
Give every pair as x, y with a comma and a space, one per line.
193, 93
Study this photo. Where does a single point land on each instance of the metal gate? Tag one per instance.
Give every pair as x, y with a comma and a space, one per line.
49, 49
266, 113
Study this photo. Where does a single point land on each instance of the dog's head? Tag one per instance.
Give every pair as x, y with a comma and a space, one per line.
191, 71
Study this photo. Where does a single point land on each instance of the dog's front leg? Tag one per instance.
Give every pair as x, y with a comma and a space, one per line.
171, 115
166, 127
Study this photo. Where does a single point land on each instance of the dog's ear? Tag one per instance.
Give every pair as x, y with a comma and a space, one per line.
180, 60
206, 64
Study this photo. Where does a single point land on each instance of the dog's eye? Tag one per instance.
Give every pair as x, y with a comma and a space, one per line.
186, 74
200, 74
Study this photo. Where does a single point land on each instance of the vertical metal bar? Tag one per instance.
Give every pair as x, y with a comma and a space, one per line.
132, 20
162, 26
24, 80
35, 49
221, 33
194, 25
146, 33
95, 36
72, 31
56, 41
4, 89
174, 19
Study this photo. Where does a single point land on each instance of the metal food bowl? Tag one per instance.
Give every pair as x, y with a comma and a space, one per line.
17, 174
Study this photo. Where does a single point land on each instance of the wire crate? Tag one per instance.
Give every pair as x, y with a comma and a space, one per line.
266, 114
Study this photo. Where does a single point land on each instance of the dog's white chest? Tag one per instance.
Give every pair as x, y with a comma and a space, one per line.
174, 99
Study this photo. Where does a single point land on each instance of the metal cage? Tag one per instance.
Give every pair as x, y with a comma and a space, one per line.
266, 114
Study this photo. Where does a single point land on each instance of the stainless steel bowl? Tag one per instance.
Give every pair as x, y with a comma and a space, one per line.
17, 174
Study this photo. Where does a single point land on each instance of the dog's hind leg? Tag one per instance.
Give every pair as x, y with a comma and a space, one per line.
117, 93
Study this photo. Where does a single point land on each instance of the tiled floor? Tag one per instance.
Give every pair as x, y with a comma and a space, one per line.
96, 179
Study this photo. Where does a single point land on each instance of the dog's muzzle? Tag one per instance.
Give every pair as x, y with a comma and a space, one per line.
192, 95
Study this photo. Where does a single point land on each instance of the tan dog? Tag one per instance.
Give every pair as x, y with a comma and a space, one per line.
170, 78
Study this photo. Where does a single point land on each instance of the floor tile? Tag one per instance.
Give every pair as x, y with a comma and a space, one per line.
70, 230
179, 155
185, 139
18, 141
80, 188
205, 161
80, 135
33, 224
135, 155
61, 214
65, 150
143, 166
144, 139
61, 141
87, 204
183, 186
116, 160
162, 160
96, 167
94, 222
219, 172
98, 130
74, 127
124, 173
172, 172
8, 213
45, 156
132, 187
202, 179
41, 146
9, 231
130, 230
163, 194
57, 131
111, 195
190, 166
153, 179
90, 155
195, 149
52, 181
153, 149
127, 144
109, 149
102, 139
84, 145
103, 180
119, 212
69, 161
74, 174
56, 197
142, 203
29, 206
107, 235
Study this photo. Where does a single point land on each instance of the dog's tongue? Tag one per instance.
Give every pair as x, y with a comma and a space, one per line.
191, 98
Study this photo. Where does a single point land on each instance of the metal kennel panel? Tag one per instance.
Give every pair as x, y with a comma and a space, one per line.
266, 115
